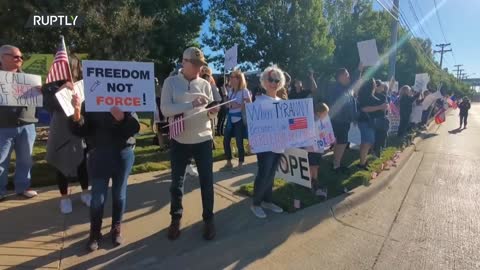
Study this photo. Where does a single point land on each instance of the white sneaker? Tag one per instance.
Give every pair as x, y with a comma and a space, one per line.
29, 193
258, 211
86, 198
191, 170
272, 207
66, 206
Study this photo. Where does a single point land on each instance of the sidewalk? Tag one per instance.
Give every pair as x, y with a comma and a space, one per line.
33, 233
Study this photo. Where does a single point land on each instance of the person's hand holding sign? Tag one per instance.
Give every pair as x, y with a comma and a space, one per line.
77, 106
68, 85
118, 114
199, 102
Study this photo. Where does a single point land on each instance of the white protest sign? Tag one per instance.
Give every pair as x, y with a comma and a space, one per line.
274, 125
368, 52
294, 167
231, 56
127, 85
393, 87
421, 82
354, 136
430, 99
20, 89
65, 96
326, 137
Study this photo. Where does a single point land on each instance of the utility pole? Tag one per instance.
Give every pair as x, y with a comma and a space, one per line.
458, 69
442, 51
393, 39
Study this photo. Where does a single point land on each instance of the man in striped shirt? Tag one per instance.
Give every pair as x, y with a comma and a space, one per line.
183, 95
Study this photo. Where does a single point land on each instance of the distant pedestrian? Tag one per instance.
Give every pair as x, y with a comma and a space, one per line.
464, 107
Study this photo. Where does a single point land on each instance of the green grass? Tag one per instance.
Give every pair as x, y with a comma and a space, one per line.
285, 193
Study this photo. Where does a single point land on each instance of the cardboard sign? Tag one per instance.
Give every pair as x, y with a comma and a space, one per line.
368, 52
294, 167
421, 82
326, 137
430, 99
20, 89
280, 124
394, 118
127, 85
231, 56
65, 96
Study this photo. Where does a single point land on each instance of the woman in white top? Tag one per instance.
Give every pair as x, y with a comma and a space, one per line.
235, 123
272, 79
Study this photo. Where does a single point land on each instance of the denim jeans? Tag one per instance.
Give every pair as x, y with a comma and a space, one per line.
237, 130
180, 157
102, 165
20, 139
263, 185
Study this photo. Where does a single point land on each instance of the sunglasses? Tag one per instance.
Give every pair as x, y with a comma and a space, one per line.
16, 57
272, 80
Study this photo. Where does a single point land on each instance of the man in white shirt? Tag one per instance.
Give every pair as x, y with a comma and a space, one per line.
183, 95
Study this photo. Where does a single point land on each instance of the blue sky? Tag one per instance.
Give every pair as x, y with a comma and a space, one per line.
459, 23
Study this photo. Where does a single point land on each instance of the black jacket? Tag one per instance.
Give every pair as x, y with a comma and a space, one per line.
464, 107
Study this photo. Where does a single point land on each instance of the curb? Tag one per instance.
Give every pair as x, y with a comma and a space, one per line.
364, 193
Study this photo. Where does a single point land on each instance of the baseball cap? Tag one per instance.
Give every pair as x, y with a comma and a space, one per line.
195, 55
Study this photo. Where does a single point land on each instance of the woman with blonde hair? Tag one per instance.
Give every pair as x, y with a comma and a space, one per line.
272, 80
235, 123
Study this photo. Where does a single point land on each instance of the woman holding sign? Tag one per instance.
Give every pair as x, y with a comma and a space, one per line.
235, 120
110, 138
272, 79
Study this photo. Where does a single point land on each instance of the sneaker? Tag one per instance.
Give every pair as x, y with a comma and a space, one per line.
86, 198
117, 238
66, 206
94, 241
321, 193
174, 230
272, 207
363, 167
227, 167
258, 211
191, 170
29, 193
209, 231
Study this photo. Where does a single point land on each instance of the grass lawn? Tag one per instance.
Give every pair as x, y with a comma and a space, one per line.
285, 193
148, 158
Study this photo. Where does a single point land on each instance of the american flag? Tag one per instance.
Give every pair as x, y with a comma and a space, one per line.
176, 125
297, 123
60, 69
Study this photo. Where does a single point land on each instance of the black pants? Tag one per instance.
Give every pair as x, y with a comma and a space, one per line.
180, 157
380, 141
463, 119
221, 117
82, 177
404, 126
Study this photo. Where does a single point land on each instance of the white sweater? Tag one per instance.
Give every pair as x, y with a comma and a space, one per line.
177, 96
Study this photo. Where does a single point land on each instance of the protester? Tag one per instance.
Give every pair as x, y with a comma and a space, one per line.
315, 155
66, 152
180, 95
206, 74
283, 92
425, 110
464, 107
417, 112
17, 132
343, 111
272, 79
235, 120
381, 133
406, 102
222, 114
160, 120
371, 118
299, 92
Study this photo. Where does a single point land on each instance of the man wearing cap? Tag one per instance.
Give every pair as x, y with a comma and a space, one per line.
17, 132
183, 95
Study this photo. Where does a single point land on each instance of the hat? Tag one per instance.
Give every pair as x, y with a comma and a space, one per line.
195, 55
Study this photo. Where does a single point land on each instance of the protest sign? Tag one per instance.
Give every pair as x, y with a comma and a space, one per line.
430, 99
280, 124
231, 57
127, 85
326, 137
394, 119
20, 89
421, 82
368, 52
65, 96
294, 167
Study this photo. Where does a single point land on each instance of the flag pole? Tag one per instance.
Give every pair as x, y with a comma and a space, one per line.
66, 52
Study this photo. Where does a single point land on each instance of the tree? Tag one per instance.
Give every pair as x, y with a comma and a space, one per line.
292, 34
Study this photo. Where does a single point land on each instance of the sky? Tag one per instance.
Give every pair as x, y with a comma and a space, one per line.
459, 21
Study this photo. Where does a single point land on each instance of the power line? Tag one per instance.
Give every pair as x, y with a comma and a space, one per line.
439, 21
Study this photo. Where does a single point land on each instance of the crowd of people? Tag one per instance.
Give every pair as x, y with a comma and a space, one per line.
94, 147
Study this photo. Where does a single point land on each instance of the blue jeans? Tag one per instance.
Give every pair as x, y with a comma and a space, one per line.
367, 132
103, 164
180, 156
20, 139
263, 185
237, 130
